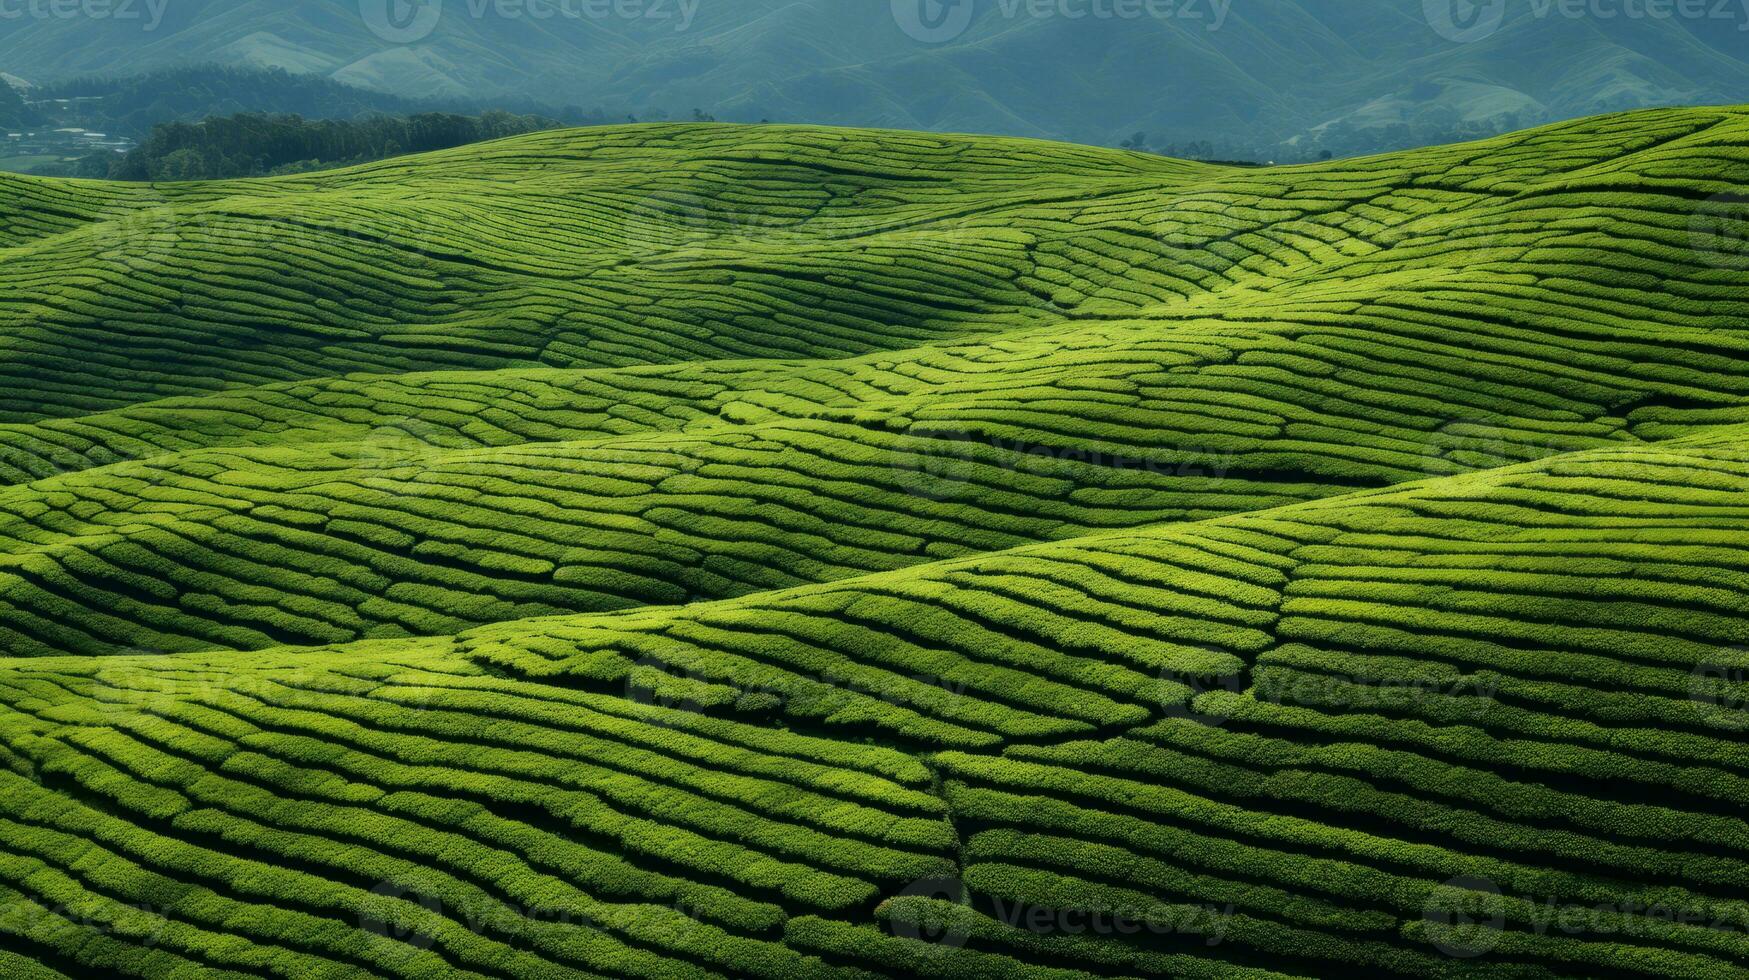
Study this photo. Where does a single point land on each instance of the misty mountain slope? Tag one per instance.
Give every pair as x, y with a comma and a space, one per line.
1272, 70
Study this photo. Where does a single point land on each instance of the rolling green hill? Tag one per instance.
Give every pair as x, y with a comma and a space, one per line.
673, 551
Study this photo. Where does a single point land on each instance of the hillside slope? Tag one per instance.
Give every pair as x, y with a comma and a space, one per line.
1398, 732
776, 552
1175, 342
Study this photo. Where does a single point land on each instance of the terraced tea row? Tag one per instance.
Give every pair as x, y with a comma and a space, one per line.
401, 819
770, 552
548, 250
660, 244
1288, 739
1108, 616
328, 511
1177, 342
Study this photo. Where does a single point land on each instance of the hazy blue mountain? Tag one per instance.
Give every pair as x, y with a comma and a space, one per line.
13, 111
1255, 71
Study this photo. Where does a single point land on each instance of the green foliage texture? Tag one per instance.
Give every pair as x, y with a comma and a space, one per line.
706, 550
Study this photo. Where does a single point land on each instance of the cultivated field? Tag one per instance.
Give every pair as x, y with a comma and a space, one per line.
770, 552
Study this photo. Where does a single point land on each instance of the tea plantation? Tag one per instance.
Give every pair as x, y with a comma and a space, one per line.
774, 552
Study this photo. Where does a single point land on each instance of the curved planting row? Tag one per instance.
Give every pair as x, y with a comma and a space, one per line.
332, 814
764, 552
1192, 342
1287, 743
661, 244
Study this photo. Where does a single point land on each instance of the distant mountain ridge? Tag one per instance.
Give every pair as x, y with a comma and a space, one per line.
1258, 73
